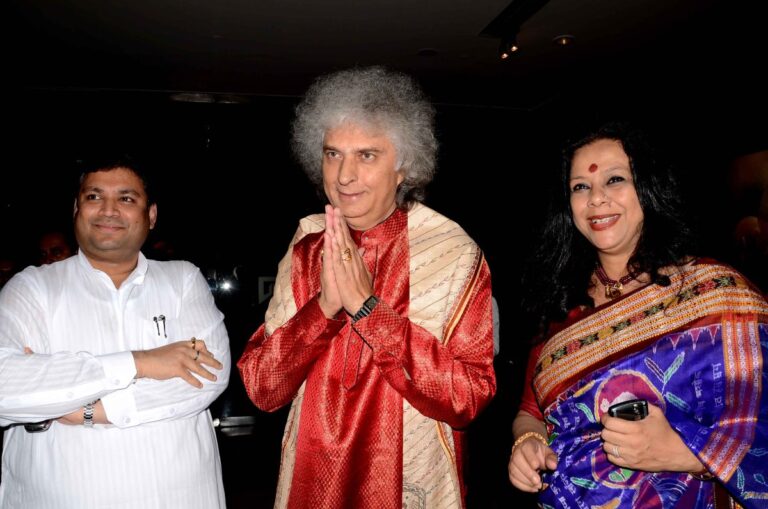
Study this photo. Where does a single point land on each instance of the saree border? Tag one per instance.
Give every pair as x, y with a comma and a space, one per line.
700, 292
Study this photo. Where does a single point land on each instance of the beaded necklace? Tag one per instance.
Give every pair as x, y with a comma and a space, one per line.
612, 287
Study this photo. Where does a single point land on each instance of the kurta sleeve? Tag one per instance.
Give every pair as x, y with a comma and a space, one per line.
450, 380
45, 385
150, 400
275, 364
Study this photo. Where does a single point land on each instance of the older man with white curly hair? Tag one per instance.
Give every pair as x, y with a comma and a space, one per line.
380, 330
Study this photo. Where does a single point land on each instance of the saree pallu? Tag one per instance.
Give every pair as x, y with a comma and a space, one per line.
696, 350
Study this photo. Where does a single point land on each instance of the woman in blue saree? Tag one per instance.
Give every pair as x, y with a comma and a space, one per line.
630, 314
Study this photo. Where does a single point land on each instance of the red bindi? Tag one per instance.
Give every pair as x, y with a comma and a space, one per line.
592, 168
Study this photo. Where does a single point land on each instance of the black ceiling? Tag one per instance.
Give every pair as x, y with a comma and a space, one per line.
704, 48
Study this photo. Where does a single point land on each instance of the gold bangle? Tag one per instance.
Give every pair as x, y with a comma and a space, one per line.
531, 434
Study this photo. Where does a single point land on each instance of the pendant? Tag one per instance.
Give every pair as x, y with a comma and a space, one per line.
613, 290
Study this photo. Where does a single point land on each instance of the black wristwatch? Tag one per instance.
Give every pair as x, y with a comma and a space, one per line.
366, 309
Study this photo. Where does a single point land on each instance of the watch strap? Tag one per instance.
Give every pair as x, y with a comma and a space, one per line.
366, 309
88, 414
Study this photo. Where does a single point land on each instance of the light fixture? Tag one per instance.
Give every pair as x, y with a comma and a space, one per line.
564, 40
508, 46
193, 97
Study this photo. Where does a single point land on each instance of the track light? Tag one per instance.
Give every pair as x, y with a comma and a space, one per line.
564, 40
508, 46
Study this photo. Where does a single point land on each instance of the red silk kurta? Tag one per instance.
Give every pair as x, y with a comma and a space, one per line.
349, 447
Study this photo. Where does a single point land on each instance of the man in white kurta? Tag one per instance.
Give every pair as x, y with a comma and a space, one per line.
113, 331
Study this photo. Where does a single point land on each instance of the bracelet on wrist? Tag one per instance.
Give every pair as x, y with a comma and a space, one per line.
531, 434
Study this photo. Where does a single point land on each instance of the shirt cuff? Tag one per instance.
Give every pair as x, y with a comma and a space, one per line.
120, 405
322, 327
378, 329
119, 369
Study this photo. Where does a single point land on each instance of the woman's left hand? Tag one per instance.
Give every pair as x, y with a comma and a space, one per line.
353, 280
650, 444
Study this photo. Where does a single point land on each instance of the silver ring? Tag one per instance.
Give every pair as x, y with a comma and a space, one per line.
616, 451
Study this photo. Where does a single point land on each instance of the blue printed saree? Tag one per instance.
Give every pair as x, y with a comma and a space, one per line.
695, 349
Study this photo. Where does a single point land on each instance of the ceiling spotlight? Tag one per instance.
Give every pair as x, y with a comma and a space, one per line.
507, 47
564, 40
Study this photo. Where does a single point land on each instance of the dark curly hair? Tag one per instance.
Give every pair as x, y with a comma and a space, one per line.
559, 274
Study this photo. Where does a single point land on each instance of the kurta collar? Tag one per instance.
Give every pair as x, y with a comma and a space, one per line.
384, 231
136, 277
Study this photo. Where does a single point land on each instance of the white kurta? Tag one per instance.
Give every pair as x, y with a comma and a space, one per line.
160, 451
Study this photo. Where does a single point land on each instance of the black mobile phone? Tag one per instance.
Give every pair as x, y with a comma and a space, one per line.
632, 410
37, 427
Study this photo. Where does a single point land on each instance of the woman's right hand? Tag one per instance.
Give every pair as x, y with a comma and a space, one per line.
526, 461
